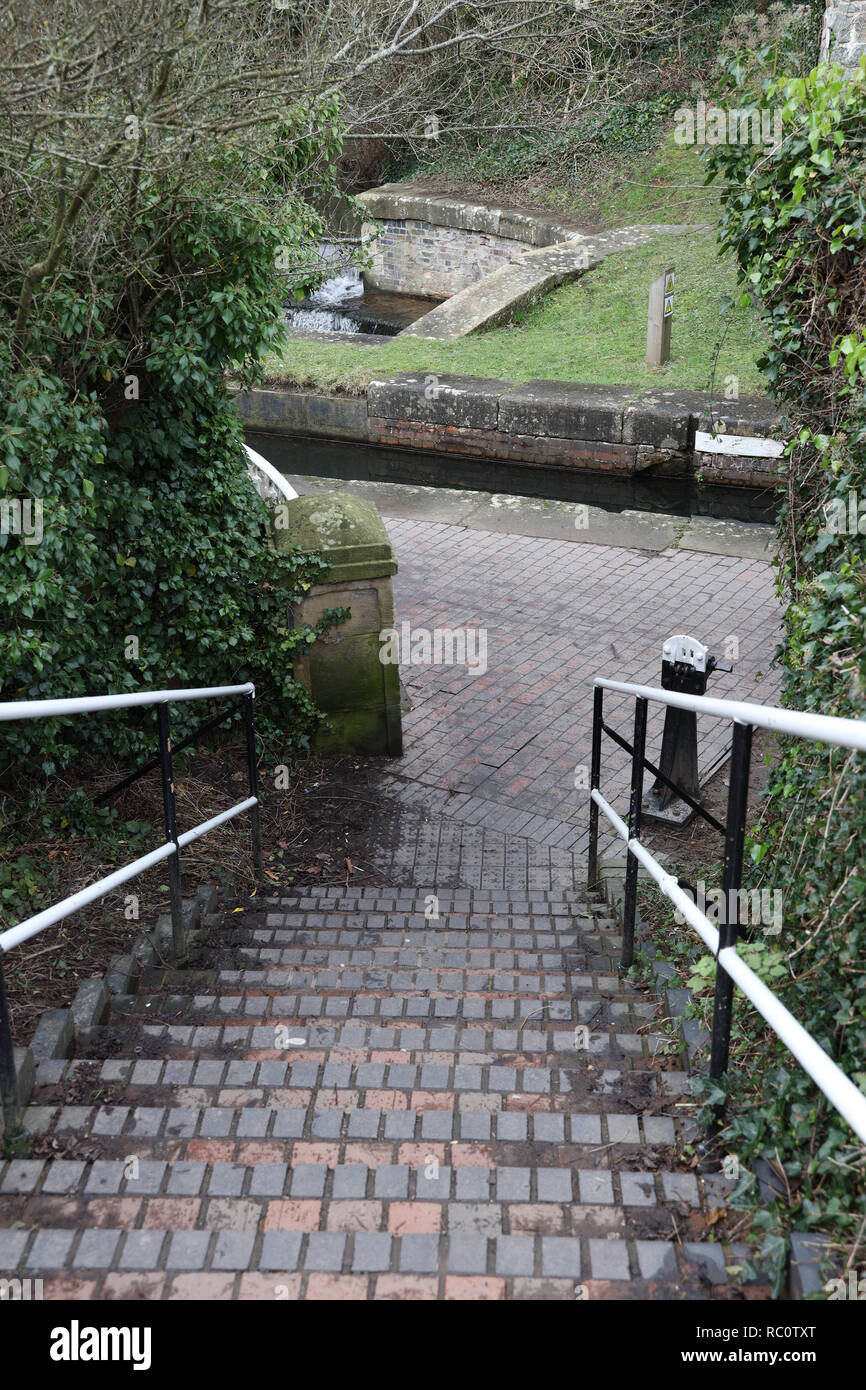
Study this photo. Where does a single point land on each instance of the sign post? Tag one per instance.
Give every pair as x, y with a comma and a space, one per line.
661, 311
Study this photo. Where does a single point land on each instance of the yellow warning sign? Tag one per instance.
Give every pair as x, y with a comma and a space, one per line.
669, 282
669, 306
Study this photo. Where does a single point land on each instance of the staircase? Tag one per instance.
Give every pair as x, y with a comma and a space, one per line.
373, 1093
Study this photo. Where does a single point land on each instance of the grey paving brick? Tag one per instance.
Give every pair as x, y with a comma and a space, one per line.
658, 1129
141, 1250
215, 1124
473, 1184
268, 1179
549, 1129
289, 1124
364, 1124
681, 1187
554, 1184
513, 1184
400, 1124
12, 1245
433, 1183
419, 1254
253, 1122
512, 1124
145, 1177
437, 1124
586, 1129
308, 1179
181, 1122
185, 1179
709, 1258
638, 1189
391, 1181
105, 1177
327, 1124
63, 1175
234, 1250
608, 1259
515, 1255
226, 1180
350, 1180
475, 1124
188, 1250
325, 1251
372, 1253
50, 1249
110, 1120
656, 1259
560, 1257
467, 1254
595, 1186
623, 1129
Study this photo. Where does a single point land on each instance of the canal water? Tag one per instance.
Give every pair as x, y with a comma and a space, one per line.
364, 463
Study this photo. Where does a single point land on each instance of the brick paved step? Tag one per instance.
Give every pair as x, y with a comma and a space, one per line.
223, 1262
345, 1101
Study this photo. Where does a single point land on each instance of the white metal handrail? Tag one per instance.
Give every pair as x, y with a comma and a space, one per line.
822, 728
848, 1099
49, 709
844, 1095
14, 1134
86, 704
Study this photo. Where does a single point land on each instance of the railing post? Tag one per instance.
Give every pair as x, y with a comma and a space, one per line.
253, 773
732, 878
15, 1136
629, 905
170, 812
594, 779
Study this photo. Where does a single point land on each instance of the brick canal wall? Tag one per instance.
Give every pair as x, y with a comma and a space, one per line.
550, 424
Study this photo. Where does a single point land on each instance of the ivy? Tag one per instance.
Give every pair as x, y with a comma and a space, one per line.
795, 218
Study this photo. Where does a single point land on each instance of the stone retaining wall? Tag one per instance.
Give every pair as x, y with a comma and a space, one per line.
843, 34
551, 424
424, 243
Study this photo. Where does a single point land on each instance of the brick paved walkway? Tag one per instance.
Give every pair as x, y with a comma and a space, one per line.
370, 1094
489, 768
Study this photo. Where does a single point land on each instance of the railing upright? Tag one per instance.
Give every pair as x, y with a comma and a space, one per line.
166, 772
594, 783
253, 772
732, 879
629, 906
13, 1129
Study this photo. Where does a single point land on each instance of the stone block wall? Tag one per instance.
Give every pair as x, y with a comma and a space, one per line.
413, 257
549, 424
843, 34
429, 244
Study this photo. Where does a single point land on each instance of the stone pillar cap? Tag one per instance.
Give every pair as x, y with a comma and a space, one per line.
347, 530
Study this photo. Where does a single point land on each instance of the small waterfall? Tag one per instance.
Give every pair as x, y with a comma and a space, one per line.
341, 304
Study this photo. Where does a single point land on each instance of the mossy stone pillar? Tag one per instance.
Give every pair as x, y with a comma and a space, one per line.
342, 671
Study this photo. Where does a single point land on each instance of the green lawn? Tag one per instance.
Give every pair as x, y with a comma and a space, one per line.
592, 330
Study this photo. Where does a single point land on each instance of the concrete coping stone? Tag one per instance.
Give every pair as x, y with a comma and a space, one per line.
398, 202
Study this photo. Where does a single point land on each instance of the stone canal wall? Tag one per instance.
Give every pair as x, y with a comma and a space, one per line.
424, 243
551, 424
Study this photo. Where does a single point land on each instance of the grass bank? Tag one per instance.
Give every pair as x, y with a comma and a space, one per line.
593, 330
